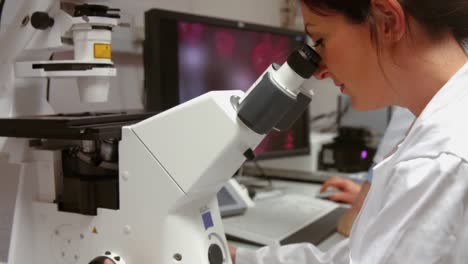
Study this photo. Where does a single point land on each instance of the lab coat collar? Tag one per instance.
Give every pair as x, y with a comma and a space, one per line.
415, 141
439, 127
450, 92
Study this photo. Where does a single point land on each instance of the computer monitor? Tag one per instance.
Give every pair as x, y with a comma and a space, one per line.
187, 55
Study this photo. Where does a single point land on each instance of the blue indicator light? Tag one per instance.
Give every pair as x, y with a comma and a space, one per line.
207, 220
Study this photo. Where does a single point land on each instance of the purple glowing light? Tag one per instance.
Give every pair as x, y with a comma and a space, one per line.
364, 154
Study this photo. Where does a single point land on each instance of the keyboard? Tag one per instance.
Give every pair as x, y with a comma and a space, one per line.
309, 176
284, 219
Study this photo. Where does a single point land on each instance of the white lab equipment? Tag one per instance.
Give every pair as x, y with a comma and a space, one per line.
165, 208
233, 199
42, 27
167, 193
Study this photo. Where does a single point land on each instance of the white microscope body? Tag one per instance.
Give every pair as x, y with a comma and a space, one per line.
170, 168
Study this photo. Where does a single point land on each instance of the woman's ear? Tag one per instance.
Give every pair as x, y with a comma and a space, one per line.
390, 19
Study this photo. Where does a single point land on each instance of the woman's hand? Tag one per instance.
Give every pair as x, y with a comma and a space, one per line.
232, 252
348, 189
346, 222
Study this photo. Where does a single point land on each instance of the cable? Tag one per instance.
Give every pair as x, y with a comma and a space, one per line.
48, 81
48, 90
2, 3
262, 174
260, 170
336, 115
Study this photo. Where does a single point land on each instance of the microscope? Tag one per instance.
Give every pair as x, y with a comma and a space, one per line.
161, 207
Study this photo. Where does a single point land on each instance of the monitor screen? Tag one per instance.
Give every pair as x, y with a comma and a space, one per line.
187, 56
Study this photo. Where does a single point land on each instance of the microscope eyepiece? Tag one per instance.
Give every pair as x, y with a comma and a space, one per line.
304, 61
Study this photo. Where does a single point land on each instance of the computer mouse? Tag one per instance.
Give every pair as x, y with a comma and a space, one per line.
330, 191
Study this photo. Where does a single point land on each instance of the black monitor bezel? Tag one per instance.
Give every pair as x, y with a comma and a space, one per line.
157, 53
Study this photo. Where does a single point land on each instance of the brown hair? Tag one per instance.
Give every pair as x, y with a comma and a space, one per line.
435, 16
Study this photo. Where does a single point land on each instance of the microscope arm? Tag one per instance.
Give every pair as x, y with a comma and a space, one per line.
213, 135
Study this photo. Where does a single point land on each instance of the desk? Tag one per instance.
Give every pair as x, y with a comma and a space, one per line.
286, 187
324, 246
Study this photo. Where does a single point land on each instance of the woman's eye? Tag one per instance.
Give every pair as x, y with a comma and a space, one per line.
318, 43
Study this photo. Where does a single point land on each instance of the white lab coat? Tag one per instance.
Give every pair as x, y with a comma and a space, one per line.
396, 131
416, 209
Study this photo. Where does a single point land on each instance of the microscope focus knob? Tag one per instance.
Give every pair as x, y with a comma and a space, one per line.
41, 20
215, 254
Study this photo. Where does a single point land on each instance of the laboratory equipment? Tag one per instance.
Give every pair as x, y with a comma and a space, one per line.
88, 27
233, 199
161, 207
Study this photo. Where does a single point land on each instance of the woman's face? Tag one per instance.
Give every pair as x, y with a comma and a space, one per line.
349, 58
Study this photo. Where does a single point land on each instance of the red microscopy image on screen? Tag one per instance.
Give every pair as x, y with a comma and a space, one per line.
289, 140
191, 32
224, 43
264, 146
269, 50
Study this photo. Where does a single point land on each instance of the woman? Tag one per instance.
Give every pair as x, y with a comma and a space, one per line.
406, 53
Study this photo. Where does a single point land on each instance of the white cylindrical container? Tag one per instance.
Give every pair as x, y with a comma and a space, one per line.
93, 89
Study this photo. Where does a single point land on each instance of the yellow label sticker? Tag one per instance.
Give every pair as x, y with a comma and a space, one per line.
102, 51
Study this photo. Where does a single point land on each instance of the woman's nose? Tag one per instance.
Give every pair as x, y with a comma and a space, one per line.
322, 72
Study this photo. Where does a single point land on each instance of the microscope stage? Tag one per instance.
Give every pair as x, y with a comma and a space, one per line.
77, 126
